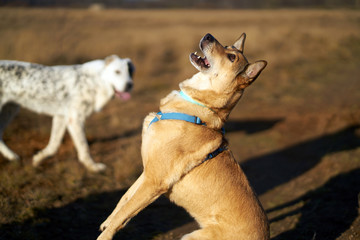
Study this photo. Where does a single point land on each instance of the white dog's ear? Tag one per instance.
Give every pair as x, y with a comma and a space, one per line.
131, 67
239, 44
254, 69
109, 59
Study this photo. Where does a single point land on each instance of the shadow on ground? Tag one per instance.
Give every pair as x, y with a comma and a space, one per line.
82, 218
327, 211
111, 138
338, 197
251, 126
271, 170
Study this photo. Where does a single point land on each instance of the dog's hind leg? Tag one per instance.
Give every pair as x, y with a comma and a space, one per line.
77, 132
57, 134
7, 113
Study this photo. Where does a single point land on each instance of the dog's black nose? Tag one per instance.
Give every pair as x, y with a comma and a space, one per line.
129, 86
209, 37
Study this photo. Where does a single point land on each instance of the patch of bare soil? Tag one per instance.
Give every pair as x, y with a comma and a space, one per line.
295, 133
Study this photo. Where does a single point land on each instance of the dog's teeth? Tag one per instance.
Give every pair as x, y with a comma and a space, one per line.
195, 53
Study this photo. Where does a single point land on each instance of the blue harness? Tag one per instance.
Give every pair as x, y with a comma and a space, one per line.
191, 119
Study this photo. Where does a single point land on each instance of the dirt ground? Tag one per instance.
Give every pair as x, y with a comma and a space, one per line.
296, 131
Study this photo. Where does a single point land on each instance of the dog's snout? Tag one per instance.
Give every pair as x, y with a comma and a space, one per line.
206, 40
209, 37
129, 86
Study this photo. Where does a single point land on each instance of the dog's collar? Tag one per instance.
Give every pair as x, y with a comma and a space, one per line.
189, 99
188, 118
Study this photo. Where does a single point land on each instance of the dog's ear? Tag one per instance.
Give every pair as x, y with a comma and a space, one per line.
251, 72
109, 59
239, 44
254, 69
131, 67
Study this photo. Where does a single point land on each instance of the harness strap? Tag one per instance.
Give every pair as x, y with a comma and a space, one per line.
191, 119
177, 116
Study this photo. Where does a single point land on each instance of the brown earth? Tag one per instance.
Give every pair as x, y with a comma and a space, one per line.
296, 132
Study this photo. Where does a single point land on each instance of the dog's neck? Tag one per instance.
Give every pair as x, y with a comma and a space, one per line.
190, 99
212, 108
221, 103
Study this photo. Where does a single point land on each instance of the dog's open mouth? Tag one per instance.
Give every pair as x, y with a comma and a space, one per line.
123, 95
199, 62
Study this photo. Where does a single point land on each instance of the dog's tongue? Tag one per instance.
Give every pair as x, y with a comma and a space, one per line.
123, 95
206, 62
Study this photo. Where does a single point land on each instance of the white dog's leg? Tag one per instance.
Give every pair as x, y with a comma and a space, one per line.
7, 113
57, 134
77, 132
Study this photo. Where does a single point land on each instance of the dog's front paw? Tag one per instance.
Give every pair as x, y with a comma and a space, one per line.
10, 155
105, 236
14, 157
104, 225
37, 159
97, 167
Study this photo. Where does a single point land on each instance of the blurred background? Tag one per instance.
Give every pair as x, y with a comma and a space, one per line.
186, 3
295, 132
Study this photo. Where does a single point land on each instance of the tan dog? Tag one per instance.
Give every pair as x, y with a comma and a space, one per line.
188, 159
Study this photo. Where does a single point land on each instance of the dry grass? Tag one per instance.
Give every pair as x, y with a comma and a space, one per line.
296, 131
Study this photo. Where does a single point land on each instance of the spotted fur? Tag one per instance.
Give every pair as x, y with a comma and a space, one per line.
67, 93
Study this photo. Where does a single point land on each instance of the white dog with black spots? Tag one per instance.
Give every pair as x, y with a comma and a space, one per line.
67, 93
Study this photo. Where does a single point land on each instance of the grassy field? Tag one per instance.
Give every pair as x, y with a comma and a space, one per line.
296, 132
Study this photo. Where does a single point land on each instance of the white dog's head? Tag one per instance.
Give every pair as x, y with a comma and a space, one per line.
119, 73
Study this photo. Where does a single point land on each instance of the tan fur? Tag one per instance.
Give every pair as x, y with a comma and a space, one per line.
215, 192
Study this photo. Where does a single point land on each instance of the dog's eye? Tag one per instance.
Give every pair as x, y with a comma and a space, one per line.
231, 57
118, 72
